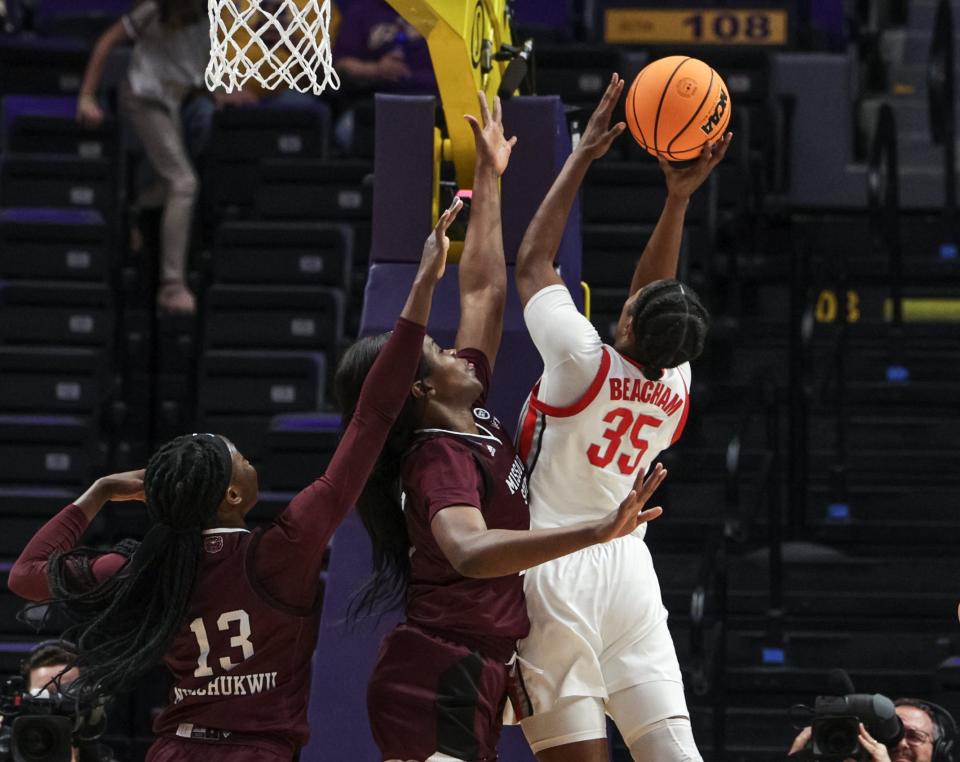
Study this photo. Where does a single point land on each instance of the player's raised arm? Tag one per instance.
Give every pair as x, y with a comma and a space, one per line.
477, 551
534, 269
29, 577
483, 273
660, 256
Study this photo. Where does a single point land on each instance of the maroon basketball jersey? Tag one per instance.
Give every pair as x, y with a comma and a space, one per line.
241, 662
446, 468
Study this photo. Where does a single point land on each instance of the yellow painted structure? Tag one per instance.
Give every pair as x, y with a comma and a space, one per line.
463, 36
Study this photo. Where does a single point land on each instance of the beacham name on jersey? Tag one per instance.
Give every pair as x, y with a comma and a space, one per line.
654, 392
231, 685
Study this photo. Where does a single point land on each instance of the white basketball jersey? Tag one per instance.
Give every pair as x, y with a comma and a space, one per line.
584, 458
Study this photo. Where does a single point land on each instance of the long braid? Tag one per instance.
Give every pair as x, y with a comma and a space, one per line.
670, 326
379, 506
123, 625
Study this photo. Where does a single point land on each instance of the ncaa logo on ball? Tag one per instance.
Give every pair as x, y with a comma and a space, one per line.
718, 111
686, 87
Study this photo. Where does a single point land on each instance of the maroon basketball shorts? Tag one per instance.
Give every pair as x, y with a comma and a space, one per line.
168, 749
428, 694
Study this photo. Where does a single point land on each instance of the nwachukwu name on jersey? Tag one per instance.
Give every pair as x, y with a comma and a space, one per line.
231, 685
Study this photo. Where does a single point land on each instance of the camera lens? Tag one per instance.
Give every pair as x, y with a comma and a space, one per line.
836, 736
36, 741
838, 741
41, 738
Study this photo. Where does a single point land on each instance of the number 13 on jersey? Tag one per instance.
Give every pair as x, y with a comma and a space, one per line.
628, 455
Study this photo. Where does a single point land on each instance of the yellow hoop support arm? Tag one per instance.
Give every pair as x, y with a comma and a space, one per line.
463, 36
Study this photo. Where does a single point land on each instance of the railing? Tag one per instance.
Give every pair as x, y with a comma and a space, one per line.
940, 92
708, 642
883, 202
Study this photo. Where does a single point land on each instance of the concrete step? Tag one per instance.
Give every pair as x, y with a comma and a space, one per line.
921, 14
912, 47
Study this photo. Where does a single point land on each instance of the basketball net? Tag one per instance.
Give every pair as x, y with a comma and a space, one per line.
273, 42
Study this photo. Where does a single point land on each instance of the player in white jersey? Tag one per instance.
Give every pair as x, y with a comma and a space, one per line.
597, 419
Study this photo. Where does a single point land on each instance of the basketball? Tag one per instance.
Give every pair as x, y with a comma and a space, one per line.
676, 105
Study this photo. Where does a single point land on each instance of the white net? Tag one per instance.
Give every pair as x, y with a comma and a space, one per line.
273, 42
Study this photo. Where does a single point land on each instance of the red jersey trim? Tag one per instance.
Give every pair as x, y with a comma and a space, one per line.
686, 411
589, 396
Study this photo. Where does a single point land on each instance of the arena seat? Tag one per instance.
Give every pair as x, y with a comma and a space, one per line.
239, 391
33, 66
64, 19
313, 190
299, 447
48, 125
290, 252
30, 180
56, 244
48, 450
241, 137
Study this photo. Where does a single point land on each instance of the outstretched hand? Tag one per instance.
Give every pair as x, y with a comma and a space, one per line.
599, 135
683, 182
493, 148
630, 514
433, 260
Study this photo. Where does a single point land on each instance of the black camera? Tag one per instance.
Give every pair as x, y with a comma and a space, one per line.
44, 728
835, 726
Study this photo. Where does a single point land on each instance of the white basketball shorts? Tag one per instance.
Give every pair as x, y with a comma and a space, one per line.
598, 626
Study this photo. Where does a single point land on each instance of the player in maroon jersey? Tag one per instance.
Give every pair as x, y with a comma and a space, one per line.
233, 614
453, 543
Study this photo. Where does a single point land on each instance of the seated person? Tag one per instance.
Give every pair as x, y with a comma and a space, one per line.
376, 51
923, 729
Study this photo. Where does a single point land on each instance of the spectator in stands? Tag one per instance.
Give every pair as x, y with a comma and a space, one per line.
377, 51
923, 731
169, 56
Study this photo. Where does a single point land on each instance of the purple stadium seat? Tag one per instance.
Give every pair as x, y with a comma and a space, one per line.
56, 106
50, 216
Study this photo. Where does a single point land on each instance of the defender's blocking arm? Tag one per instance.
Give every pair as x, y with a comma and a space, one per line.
483, 273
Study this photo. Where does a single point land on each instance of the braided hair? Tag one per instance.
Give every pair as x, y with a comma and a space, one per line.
669, 327
123, 625
379, 506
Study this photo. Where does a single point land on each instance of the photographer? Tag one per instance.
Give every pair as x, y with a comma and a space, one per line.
929, 735
47, 669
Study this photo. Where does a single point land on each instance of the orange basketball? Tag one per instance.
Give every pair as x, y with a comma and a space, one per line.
676, 105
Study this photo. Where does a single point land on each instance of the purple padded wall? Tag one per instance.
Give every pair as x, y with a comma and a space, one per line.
403, 176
